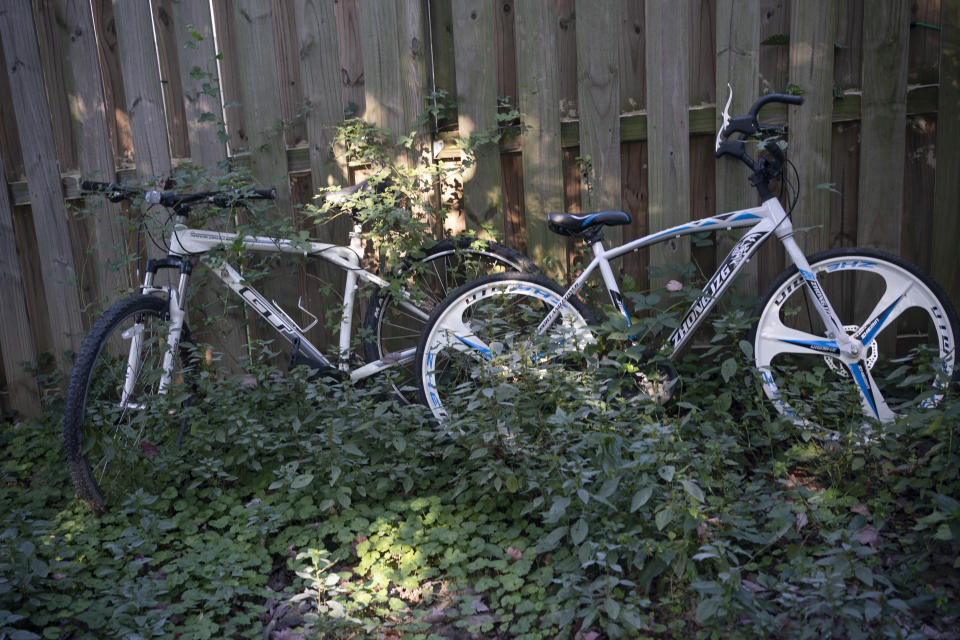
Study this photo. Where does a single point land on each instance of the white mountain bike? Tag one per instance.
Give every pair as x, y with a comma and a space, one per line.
862, 319
133, 373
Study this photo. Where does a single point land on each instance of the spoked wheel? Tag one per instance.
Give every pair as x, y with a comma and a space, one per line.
119, 431
486, 332
903, 327
394, 323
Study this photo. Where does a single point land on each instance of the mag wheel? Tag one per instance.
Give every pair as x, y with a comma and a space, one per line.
393, 325
486, 332
119, 430
902, 324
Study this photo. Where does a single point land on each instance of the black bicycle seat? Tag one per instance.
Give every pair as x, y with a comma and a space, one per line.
576, 224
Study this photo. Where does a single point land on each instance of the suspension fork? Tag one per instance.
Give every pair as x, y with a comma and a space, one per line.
176, 311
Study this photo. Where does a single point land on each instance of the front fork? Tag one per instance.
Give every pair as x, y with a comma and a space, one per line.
176, 312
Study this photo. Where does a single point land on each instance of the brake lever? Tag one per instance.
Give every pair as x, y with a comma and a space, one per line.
726, 118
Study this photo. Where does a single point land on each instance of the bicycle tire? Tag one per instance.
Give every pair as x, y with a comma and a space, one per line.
130, 458
915, 316
497, 331
390, 329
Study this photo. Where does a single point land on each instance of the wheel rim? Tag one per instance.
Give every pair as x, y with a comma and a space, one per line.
398, 329
488, 335
905, 340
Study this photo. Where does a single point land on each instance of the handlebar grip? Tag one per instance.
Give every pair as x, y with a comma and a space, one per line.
265, 194
91, 185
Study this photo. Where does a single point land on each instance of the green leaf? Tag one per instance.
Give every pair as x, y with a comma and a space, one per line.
707, 609
612, 607
552, 539
640, 498
667, 472
578, 532
663, 518
301, 481
691, 488
728, 369
864, 574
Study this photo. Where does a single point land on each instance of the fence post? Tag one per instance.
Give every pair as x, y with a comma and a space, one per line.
668, 126
598, 82
539, 101
18, 34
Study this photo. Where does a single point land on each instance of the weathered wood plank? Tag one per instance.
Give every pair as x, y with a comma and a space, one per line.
16, 341
289, 71
92, 140
475, 62
443, 50
565, 22
118, 121
633, 57
55, 78
194, 39
539, 102
253, 27
320, 69
635, 197
230, 75
945, 218
738, 70
668, 127
774, 52
506, 48
919, 191
812, 39
883, 129
924, 41
351, 57
701, 40
141, 85
383, 86
171, 82
9, 141
598, 75
25, 73
412, 33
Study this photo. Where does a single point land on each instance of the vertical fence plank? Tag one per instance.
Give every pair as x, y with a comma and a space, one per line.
16, 341
737, 65
54, 250
774, 52
633, 57
288, 71
43, 176
55, 76
141, 86
320, 69
505, 46
598, 79
118, 120
253, 26
351, 57
473, 28
229, 67
383, 86
171, 81
539, 101
886, 31
565, 23
947, 195
201, 89
812, 39
702, 38
668, 126
92, 140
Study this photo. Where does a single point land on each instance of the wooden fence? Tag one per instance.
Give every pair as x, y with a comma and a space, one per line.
624, 88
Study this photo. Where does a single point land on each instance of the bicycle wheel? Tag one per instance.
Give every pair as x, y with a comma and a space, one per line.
118, 431
392, 328
486, 331
902, 322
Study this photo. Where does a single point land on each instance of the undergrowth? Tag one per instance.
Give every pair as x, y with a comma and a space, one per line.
553, 508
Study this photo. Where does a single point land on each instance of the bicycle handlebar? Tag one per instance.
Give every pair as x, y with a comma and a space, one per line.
118, 192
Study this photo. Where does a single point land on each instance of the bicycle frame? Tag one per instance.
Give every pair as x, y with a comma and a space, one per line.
185, 242
768, 219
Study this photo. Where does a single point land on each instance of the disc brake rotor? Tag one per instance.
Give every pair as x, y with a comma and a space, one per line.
839, 368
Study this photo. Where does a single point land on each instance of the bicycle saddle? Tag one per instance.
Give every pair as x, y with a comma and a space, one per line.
575, 224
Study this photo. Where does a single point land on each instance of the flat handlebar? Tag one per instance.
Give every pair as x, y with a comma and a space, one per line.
118, 192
